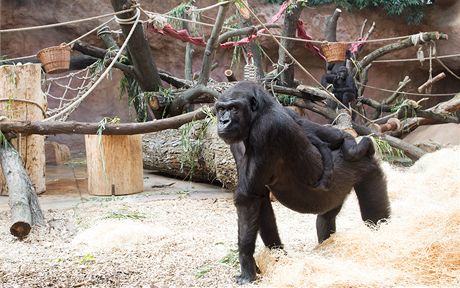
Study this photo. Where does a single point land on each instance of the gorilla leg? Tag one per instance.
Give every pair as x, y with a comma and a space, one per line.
347, 98
325, 224
248, 211
268, 229
372, 196
328, 162
353, 151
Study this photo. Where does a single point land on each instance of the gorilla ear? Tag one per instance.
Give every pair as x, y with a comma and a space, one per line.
254, 104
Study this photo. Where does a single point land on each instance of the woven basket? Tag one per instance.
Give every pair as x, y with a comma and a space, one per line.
55, 59
334, 51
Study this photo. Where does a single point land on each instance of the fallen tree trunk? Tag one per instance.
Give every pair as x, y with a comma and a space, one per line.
193, 152
25, 209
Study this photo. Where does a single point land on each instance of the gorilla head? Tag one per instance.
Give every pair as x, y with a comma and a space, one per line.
237, 111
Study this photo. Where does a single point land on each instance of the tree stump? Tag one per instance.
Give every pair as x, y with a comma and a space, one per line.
114, 164
194, 151
21, 98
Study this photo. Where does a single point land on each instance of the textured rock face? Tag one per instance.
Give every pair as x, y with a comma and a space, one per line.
169, 53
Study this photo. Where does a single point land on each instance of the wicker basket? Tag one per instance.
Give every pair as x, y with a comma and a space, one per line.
334, 51
55, 59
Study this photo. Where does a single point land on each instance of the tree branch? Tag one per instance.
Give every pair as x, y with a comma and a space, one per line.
139, 50
212, 45
290, 21
249, 30
72, 127
425, 36
331, 26
187, 97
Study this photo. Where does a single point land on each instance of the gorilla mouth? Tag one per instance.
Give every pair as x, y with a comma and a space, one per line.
229, 137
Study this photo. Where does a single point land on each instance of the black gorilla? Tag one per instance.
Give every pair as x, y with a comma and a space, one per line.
272, 151
344, 88
326, 139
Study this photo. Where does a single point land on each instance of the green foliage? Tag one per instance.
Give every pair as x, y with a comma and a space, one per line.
202, 271
87, 259
104, 121
3, 141
231, 259
411, 10
192, 139
179, 12
389, 153
133, 215
286, 100
131, 87
191, 142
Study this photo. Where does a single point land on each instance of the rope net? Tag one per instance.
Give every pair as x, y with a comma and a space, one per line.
64, 93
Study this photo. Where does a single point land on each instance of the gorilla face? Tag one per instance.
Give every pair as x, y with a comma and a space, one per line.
342, 73
232, 120
234, 111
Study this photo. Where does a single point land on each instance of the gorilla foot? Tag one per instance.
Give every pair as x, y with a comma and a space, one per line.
355, 152
245, 278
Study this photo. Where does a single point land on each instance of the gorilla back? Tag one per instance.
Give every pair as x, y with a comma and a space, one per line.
272, 151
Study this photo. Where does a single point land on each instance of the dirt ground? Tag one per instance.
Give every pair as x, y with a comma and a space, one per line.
184, 235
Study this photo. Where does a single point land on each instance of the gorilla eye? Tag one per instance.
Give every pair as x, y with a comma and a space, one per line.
234, 108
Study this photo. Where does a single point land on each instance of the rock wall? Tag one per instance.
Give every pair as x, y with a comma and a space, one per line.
168, 53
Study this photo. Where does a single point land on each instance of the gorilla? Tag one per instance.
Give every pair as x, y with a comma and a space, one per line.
273, 152
344, 88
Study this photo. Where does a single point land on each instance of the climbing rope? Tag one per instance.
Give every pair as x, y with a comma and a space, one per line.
71, 87
407, 93
64, 23
75, 103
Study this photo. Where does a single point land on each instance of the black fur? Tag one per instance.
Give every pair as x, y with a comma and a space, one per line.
272, 151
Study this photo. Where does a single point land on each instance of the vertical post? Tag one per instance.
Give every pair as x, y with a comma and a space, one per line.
21, 98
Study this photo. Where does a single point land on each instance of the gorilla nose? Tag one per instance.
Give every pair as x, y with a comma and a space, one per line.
223, 123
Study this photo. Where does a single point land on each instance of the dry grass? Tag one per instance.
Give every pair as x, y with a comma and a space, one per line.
187, 242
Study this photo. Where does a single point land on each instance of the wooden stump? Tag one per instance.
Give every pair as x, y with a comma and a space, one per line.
114, 164
21, 98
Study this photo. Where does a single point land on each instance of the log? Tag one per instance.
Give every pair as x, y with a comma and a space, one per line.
230, 75
21, 99
194, 152
23, 201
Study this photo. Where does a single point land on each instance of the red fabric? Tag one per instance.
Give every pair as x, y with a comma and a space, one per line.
182, 35
301, 33
280, 12
356, 45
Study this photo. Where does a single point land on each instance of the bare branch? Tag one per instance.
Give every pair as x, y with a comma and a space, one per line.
212, 45
425, 36
72, 127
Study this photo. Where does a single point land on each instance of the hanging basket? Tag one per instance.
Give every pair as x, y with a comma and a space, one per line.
55, 59
334, 51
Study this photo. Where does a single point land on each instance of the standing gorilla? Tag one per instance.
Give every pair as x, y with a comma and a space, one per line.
273, 152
